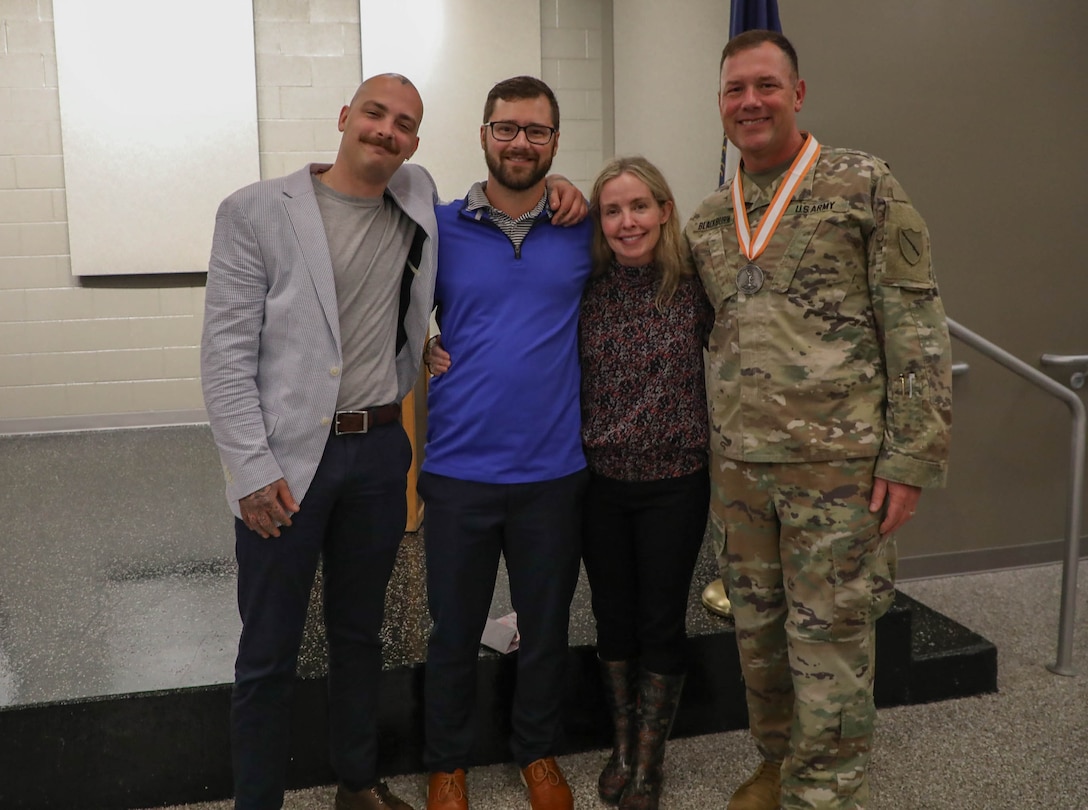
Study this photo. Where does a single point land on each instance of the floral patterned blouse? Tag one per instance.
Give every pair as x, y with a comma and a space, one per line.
644, 411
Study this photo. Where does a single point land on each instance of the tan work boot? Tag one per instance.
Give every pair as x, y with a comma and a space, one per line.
762, 791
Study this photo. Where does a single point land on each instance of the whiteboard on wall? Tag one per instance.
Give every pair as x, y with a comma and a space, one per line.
158, 105
454, 51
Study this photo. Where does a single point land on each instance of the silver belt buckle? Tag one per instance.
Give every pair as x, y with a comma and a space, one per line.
364, 414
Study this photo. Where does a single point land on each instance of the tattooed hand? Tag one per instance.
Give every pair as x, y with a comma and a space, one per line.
436, 358
269, 508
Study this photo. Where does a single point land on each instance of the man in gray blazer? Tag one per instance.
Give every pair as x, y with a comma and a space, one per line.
319, 292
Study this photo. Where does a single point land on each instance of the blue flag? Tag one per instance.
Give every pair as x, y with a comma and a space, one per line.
744, 15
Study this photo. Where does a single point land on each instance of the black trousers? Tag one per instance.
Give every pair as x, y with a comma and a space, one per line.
353, 518
467, 525
640, 543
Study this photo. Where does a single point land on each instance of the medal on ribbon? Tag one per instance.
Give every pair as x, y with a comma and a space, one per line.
750, 278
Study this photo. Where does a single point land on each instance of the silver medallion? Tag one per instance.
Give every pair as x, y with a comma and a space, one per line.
750, 279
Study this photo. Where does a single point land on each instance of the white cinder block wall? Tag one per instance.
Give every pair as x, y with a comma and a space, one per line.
93, 353
575, 37
307, 68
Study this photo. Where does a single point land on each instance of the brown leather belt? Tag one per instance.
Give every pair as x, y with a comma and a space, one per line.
346, 422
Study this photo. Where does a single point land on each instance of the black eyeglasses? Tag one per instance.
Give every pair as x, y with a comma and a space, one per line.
537, 134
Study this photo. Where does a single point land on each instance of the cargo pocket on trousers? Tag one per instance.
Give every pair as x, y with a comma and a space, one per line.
884, 565
858, 721
852, 608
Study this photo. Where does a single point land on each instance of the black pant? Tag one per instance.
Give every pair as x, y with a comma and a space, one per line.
467, 525
353, 517
640, 543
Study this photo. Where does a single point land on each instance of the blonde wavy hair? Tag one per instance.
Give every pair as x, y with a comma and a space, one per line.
672, 259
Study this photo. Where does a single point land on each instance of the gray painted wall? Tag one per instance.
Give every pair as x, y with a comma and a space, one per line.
979, 107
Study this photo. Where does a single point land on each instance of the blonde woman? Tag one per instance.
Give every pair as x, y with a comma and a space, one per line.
644, 322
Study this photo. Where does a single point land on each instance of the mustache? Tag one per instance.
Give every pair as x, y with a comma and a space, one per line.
388, 144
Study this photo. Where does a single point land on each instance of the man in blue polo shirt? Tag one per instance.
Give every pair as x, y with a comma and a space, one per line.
504, 471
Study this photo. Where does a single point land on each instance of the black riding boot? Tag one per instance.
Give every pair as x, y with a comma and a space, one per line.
658, 697
620, 690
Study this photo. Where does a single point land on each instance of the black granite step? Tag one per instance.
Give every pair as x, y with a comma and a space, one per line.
171, 746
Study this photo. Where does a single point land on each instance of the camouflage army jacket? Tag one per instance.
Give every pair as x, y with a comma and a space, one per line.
844, 351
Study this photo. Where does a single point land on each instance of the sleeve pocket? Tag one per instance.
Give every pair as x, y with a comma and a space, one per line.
907, 260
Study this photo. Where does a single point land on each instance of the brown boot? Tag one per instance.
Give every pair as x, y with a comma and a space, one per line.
378, 797
621, 694
548, 790
658, 697
762, 791
446, 791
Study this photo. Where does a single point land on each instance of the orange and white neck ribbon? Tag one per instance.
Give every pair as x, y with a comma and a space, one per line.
798, 169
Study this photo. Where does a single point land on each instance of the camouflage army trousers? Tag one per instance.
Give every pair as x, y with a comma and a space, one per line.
808, 575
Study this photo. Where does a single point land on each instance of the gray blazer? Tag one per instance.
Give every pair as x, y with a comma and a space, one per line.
270, 354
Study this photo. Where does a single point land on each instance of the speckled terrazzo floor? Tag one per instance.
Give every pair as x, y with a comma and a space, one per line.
117, 576
1020, 749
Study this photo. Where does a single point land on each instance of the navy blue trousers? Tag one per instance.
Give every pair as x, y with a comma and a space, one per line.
641, 542
352, 518
467, 525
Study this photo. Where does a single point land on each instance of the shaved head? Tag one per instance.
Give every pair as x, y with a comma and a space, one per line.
403, 80
379, 131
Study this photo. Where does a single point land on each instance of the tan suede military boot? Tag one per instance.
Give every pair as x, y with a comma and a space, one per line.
762, 791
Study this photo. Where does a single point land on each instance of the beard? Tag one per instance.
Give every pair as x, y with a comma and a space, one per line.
520, 177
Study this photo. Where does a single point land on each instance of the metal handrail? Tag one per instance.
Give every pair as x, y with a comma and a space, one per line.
1064, 663
1077, 362
1065, 360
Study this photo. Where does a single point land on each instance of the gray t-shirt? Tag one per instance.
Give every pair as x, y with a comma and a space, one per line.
369, 239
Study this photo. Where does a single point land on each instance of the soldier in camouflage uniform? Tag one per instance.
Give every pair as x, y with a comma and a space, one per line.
829, 382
